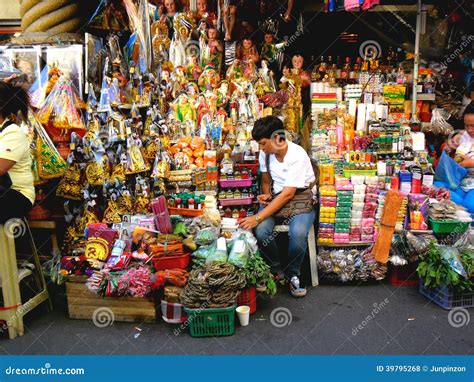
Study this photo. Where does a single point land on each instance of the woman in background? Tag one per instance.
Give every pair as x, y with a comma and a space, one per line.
17, 193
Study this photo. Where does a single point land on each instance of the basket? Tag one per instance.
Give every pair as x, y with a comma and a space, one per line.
248, 297
171, 262
236, 202
173, 313
226, 183
445, 298
185, 211
216, 322
448, 226
404, 275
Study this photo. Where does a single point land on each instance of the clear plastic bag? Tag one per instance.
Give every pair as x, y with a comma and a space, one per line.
239, 253
219, 252
207, 236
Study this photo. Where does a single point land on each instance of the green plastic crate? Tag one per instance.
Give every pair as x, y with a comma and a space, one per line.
216, 322
448, 226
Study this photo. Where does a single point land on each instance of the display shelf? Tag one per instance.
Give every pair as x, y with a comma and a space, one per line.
345, 245
425, 97
232, 183
236, 202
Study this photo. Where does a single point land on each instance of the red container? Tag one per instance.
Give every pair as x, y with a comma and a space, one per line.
404, 275
170, 262
248, 297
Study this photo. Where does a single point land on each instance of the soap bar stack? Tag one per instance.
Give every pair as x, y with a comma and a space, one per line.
327, 214
345, 193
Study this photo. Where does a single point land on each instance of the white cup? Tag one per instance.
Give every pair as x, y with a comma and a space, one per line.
243, 312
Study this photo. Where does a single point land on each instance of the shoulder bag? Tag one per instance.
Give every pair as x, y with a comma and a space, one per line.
301, 203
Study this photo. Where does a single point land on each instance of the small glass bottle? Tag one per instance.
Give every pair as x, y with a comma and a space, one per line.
235, 213
229, 194
242, 213
222, 194
237, 194
228, 212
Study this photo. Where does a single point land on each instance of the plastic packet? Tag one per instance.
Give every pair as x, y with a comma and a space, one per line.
451, 256
239, 253
219, 253
207, 236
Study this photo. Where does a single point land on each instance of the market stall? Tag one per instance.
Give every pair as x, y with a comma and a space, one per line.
151, 147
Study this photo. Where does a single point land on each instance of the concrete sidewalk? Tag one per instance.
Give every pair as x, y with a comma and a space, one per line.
332, 319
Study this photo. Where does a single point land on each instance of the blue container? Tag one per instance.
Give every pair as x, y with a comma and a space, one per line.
445, 298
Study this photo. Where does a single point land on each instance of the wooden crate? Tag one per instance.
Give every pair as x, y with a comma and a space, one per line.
82, 304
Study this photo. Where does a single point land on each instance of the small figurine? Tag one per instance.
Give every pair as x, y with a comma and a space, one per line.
248, 55
209, 78
204, 14
297, 61
223, 94
160, 40
135, 161
211, 49
167, 13
193, 69
270, 50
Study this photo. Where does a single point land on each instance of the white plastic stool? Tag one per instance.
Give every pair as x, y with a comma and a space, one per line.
312, 251
11, 277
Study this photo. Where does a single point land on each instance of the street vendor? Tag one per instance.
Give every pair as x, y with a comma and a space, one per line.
463, 147
17, 192
286, 173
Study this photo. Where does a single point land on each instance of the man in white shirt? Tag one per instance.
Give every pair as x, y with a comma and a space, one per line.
291, 170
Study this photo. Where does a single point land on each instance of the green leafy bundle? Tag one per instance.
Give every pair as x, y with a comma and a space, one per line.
435, 271
257, 271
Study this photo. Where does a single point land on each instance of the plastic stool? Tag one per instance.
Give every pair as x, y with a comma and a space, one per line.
312, 251
14, 310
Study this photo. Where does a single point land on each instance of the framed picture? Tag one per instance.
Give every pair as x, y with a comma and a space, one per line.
69, 60
26, 60
95, 59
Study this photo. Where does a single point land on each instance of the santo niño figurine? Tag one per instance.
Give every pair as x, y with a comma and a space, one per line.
247, 53
269, 49
166, 12
211, 49
203, 13
297, 62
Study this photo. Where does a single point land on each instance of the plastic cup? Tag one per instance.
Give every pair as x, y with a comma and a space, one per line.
243, 312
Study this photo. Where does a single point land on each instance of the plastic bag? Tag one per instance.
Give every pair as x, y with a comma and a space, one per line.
449, 172
250, 239
202, 252
439, 122
239, 253
466, 240
418, 245
206, 236
220, 252
451, 256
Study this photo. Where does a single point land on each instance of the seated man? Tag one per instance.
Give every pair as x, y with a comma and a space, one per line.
290, 171
463, 144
